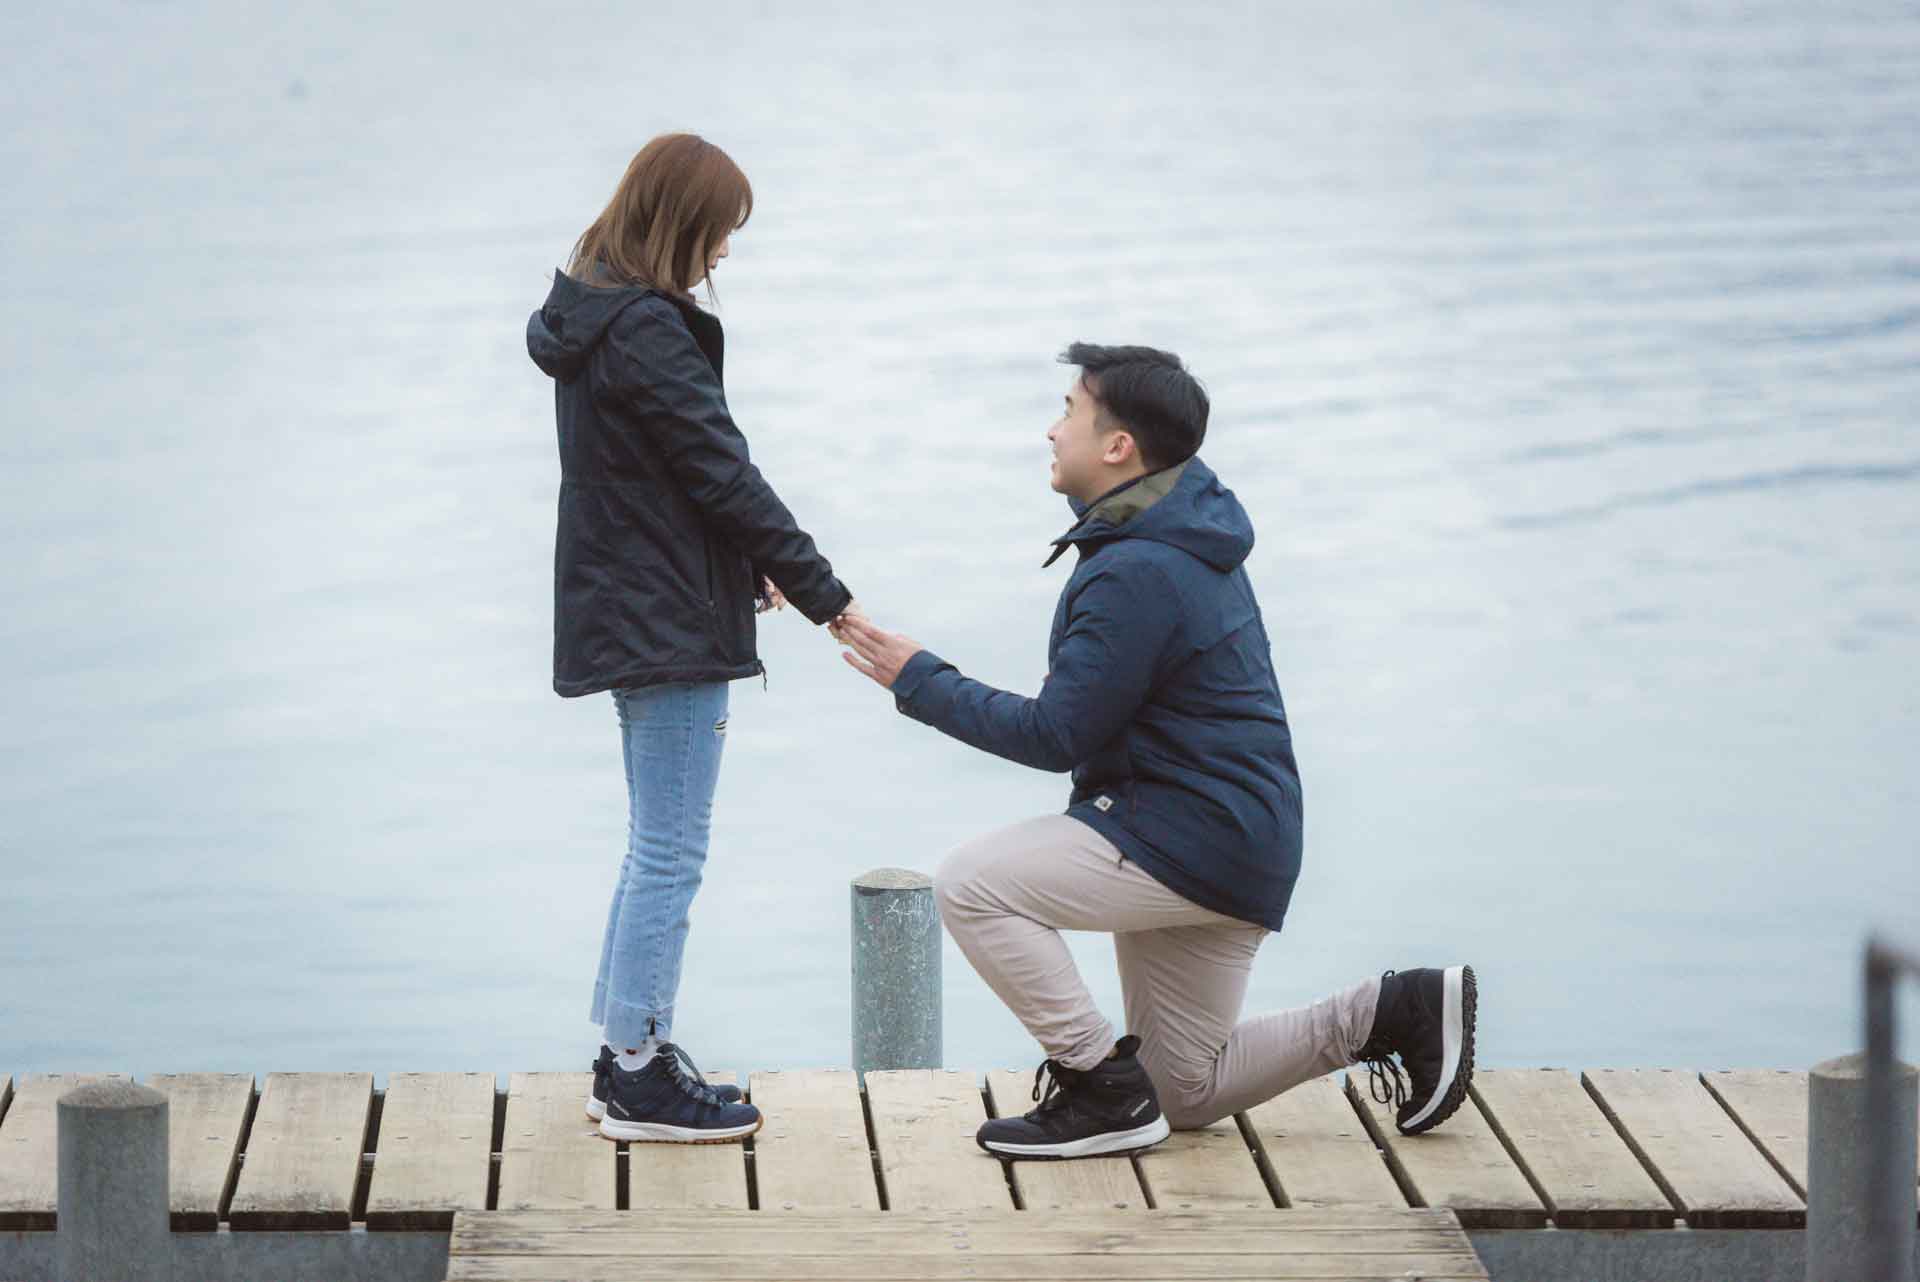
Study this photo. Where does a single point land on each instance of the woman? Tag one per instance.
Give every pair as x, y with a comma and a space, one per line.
669, 542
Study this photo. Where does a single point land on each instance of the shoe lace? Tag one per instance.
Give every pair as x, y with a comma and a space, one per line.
687, 1076
1385, 1083
1056, 1094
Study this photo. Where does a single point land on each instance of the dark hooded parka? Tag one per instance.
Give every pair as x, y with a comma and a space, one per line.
1160, 697
665, 525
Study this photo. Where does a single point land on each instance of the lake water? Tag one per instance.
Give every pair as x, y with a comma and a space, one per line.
1567, 358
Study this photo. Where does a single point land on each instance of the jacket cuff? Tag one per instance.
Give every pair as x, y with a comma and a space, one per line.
820, 609
917, 669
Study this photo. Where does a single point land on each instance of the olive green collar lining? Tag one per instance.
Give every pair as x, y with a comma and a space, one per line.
1123, 506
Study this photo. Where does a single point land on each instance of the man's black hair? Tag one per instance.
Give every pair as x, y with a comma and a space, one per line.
1150, 394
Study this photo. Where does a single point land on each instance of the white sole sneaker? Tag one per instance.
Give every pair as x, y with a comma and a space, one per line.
1456, 1042
596, 1109
1108, 1142
661, 1133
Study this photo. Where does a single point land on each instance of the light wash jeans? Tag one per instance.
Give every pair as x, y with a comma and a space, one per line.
671, 736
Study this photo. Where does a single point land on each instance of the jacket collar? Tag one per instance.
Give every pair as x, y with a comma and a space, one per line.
1118, 506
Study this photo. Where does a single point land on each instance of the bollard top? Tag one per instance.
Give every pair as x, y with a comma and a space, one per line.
1853, 1068
113, 1094
883, 879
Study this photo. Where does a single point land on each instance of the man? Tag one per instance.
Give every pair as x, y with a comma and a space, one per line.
1182, 835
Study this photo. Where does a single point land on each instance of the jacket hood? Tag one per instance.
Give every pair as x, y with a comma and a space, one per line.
1185, 506
570, 324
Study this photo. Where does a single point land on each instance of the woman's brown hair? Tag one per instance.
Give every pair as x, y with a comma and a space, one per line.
679, 198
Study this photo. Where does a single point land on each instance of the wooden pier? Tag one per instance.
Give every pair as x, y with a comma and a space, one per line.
1316, 1183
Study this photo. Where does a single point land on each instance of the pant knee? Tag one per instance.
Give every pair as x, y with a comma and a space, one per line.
1181, 1094
1189, 1105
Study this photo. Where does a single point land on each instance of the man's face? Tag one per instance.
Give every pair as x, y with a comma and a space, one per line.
1080, 450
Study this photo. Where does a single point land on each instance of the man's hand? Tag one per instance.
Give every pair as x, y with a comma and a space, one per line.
879, 655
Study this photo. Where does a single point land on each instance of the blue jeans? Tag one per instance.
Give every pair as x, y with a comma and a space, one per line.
671, 735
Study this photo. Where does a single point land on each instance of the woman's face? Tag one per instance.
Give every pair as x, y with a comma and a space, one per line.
719, 252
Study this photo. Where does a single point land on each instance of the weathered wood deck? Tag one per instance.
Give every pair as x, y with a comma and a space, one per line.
1627, 1149
909, 1246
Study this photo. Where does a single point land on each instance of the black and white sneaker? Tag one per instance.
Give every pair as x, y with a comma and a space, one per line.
1110, 1108
603, 1069
666, 1101
1426, 1018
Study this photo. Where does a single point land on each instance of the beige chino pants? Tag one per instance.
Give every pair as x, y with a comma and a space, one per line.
1006, 897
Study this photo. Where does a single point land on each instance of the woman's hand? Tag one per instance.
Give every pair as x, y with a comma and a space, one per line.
853, 610
876, 654
776, 599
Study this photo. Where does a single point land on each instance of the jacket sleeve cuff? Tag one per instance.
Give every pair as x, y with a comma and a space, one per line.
821, 609
922, 665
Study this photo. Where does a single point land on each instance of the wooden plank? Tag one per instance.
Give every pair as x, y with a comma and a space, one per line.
1460, 1165
6, 1100
812, 1151
1206, 1169
433, 1151
1373, 1266
923, 1126
1770, 1108
805, 1246
551, 1156
688, 1176
1694, 1150
206, 1114
1770, 1105
1319, 1150
1055, 1185
30, 1148
1589, 1178
908, 1232
303, 1154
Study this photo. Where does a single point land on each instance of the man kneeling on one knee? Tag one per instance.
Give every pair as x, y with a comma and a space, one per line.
1183, 832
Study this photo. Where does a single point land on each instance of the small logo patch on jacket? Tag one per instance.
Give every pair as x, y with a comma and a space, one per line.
1103, 803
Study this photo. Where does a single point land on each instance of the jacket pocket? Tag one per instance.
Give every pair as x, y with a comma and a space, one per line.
713, 576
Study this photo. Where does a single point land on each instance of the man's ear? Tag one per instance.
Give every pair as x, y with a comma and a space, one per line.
1120, 447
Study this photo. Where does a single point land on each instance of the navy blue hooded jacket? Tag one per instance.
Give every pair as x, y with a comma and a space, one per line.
1160, 697
665, 525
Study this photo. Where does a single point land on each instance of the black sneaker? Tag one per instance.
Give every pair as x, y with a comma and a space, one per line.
1110, 1108
667, 1101
1426, 1018
603, 1067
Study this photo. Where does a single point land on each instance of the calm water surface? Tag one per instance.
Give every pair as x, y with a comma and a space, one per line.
1567, 358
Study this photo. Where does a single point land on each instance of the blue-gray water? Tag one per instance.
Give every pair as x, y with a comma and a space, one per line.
1566, 356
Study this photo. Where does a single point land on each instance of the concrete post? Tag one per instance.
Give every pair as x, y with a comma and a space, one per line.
896, 971
1840, 1193
112, 1214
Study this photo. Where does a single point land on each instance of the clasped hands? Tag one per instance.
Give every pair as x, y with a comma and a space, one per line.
874, 653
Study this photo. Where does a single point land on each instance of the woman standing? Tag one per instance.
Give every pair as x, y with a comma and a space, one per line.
669, 542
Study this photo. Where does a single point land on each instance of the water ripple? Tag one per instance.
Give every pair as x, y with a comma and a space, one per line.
1799, 478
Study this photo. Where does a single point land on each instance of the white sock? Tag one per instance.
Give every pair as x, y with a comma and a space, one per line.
630, 1062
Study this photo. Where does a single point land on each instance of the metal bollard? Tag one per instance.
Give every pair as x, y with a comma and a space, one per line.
1840, 1190
896, 971
112, 1216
